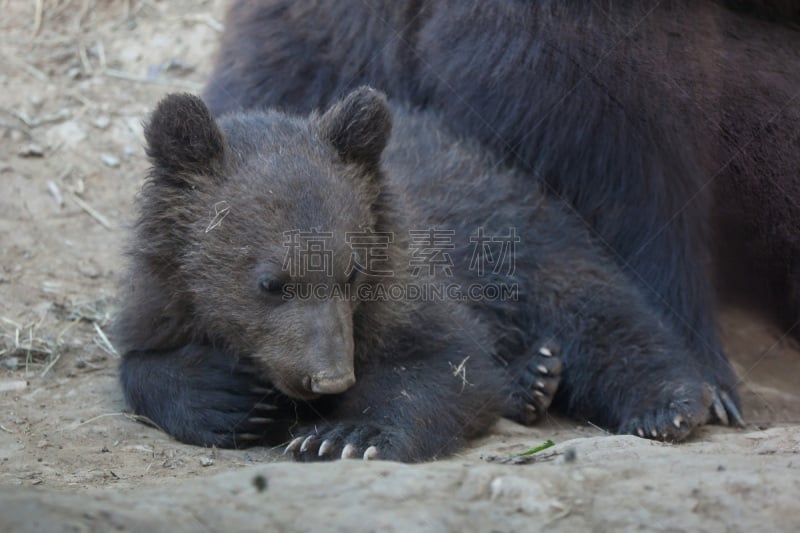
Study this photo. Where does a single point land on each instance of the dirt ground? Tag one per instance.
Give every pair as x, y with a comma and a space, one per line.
76, 79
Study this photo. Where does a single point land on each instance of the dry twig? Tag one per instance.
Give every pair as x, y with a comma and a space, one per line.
91, 211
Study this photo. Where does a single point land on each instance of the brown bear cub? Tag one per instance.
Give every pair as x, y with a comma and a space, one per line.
359, 283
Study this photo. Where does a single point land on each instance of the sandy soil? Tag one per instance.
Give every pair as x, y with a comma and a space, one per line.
76, 79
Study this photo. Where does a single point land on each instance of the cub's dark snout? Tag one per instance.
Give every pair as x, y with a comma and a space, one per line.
331, 349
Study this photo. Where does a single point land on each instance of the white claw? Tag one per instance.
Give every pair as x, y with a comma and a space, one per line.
719, 410
349, 452
539, 393
545, 351
294, 444
371, 453
539, 384
654, 433
677, 421
306, 443
640, 431
542, 369
325, 447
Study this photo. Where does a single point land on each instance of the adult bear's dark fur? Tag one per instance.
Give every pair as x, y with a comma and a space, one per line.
776, 10
216, 354
637, 114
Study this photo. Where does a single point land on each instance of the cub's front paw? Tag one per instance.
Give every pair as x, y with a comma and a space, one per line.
535, 386
343, 441
235, 412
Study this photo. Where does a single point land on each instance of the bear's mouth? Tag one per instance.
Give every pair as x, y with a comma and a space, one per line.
312, 387
300, 391
304, 383
324, 383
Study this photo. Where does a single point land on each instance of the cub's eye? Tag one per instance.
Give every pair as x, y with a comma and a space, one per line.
271, 285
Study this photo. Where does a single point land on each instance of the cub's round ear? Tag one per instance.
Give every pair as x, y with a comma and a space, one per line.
182, 137
358, 127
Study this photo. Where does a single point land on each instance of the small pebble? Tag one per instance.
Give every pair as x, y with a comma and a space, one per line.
177, 66
570, 454
260, 483
31, 150
110, 160
13, 386
88, 269
102, 122
206, 461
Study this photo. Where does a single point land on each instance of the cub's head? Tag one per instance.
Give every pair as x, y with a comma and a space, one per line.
250, 212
